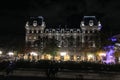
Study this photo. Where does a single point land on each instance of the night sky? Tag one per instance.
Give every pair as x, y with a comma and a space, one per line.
14, 14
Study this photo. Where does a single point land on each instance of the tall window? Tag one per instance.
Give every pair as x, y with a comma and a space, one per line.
34, 31
39, 31
39, 37
86, 37
86, 31
90, 31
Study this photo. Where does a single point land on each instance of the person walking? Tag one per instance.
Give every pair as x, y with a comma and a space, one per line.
10, 68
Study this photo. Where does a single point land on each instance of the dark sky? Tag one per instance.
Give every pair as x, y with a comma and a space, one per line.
13, 14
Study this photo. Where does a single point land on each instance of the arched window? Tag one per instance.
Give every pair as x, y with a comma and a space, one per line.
86, 37
39, 37
90, 31
39, 31
53, 31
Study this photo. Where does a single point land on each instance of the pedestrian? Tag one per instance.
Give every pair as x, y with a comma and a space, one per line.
10, 68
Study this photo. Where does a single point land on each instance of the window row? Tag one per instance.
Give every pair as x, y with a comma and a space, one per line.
34, 31
62, 31
39, 31
91, 38
90, 31
56, 37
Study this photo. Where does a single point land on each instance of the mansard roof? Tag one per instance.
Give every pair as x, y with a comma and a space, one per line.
39, 20
59, 27
86, 20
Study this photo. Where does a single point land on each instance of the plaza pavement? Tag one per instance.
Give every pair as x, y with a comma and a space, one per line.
86, 75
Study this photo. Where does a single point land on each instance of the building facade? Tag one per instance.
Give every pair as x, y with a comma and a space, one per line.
74, 41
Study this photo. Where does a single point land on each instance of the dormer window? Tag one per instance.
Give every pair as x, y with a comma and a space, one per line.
99, 24
82, 23
91, 23
53, 31
27, 23
43, 23
35, 23
39, 31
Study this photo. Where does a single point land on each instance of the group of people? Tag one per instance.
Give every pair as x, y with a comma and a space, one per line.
10, 67
52, 71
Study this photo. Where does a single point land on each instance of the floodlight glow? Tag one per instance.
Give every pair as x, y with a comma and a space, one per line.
109, 54
0, 52
10, 53
102, 54
63, 53
90, 56
34, 53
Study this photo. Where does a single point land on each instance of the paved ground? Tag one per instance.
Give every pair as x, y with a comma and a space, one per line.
63, 75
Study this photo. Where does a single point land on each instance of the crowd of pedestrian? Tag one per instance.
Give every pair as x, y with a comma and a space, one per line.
52, 70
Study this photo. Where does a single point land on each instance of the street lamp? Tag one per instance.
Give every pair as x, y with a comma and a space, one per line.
10, 53
102, 54
63, 53
91, 56
34, 54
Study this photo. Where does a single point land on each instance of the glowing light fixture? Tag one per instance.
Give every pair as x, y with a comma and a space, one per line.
0, 52
63, 53
90, 56
33, 54
10, 53
102, 54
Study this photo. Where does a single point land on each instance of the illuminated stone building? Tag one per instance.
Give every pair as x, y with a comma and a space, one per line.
73, 41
